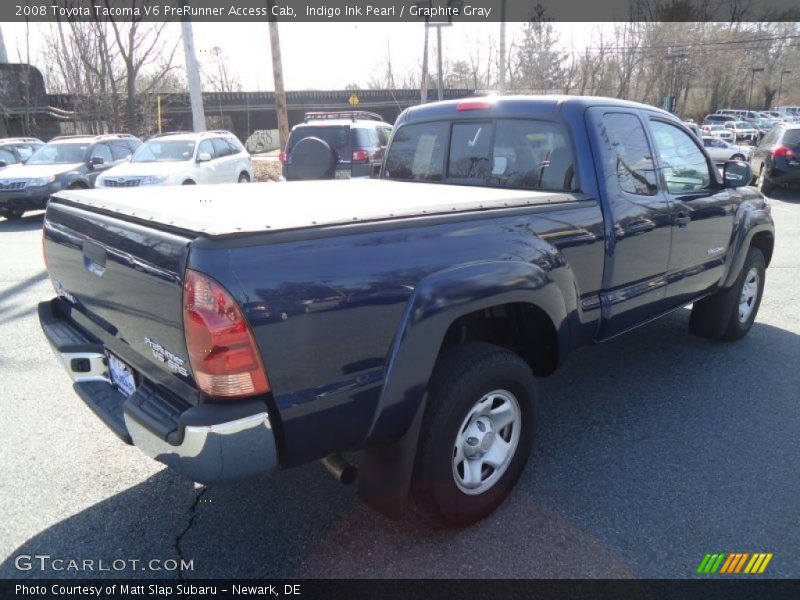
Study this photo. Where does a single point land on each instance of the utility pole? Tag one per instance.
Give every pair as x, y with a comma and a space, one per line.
780, 86
673, 96
440, 75
3, 54
277, 75
193, 75
502, 75
423, 93
753, 72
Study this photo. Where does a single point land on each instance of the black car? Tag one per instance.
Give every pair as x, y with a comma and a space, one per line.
17, 150
66, 162
336, 145
776, 160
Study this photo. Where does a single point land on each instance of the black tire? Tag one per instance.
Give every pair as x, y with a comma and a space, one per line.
718, 317
244, 177
78, 186
764, 186
462, 377
738, 157
312, 158
188, 182
13, 213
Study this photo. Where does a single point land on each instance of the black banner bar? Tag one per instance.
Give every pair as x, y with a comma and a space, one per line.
651, 589
477, 11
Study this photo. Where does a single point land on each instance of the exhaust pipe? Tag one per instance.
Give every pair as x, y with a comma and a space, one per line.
340, 468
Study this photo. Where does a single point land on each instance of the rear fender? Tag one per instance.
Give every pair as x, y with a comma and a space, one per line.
387, 465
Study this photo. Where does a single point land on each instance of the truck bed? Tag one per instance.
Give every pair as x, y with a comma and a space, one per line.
228, 209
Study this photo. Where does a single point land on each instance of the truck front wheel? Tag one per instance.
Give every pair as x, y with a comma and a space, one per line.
729, 314
476, 435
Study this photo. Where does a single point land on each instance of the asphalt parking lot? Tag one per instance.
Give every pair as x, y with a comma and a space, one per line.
653, 450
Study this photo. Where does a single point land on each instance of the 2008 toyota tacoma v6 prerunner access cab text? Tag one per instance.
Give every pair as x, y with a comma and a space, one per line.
230, 331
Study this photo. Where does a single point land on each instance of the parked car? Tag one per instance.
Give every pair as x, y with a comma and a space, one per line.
66, 162
17, 150
572, 220
184, 158
719, 119
743, 131
721, 151
336, 145
719, 131
694, 128
776, 160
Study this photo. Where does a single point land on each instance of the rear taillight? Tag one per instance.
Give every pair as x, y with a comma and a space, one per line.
783, 151
360, 156
282, 156
221, 348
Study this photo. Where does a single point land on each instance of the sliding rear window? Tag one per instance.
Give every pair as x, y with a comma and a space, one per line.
514, 153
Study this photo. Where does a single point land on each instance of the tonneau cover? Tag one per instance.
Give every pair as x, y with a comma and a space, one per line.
226, 209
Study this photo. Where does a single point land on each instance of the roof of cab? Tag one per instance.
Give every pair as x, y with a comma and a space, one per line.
514, 105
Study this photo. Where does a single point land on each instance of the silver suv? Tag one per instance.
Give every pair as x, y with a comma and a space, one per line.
183, 158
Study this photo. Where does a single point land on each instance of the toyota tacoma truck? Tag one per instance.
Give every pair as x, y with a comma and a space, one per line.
398, 324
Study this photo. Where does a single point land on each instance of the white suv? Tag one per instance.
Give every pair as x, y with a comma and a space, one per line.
183, 158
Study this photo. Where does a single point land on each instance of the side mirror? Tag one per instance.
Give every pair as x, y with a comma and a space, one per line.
96, 161
203, 157
736, 173
3, 164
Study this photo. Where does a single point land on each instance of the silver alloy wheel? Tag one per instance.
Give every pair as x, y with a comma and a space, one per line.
747, 300
486, 442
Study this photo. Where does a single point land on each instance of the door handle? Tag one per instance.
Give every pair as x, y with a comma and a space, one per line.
682, 219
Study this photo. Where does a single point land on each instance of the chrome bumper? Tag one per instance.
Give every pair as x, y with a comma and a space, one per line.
238, 446
217, 453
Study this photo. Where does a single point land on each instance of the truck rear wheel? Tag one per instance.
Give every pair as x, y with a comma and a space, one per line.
476, 435
729, 314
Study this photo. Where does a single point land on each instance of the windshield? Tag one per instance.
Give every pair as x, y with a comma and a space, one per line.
792, 136
164, 151
58, 154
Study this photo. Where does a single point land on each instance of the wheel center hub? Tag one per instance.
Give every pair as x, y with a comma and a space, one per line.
479, 437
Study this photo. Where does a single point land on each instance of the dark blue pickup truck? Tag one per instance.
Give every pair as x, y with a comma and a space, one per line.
230, 331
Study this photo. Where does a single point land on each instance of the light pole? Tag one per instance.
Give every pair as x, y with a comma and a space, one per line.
753, 72
780, 86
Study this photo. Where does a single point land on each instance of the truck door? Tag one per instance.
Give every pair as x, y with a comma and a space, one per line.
638, 220
702, 212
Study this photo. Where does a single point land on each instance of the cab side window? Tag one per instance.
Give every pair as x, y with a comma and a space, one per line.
533, 155
683, 164
630, 153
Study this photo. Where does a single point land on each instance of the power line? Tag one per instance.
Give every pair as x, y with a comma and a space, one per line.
695, 44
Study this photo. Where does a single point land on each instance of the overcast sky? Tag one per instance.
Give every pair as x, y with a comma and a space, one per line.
325, 55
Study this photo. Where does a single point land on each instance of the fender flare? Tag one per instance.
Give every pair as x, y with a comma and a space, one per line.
387, 464
752, 223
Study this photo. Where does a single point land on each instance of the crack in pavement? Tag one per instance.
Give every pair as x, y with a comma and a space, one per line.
179, 538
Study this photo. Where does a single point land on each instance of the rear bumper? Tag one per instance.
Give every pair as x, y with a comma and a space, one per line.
209, 443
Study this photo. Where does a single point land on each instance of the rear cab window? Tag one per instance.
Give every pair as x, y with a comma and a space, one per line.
514, 153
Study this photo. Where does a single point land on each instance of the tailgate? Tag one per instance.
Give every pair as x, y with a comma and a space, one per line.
125, 277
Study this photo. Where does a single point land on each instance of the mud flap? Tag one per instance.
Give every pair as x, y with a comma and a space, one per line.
385, 471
